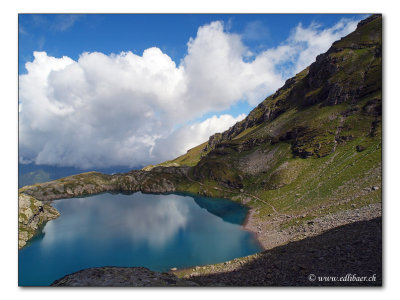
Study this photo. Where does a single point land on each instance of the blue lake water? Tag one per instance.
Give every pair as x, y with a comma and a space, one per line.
154, 231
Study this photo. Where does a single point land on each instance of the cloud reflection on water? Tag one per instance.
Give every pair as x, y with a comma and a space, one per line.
155, 224
152, 221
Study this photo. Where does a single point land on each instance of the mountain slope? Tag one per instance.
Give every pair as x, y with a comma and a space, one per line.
349, 74
312, 148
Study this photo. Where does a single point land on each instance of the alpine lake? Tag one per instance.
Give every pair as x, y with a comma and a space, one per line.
156, 231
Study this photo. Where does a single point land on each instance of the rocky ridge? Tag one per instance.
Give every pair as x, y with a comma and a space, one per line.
35, 201
121, 277
334, 78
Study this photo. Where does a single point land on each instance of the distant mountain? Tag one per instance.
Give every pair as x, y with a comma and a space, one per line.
29, 174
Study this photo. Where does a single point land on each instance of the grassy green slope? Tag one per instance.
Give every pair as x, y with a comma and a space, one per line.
315, 145
190, 158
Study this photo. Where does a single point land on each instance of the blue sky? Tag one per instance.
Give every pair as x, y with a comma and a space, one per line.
71, 35
115, 89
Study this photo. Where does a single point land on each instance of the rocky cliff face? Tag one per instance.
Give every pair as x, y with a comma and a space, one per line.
158, 180
348, 73
32, 215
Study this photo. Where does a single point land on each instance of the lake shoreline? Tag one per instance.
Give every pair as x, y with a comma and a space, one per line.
270, 234
250, 226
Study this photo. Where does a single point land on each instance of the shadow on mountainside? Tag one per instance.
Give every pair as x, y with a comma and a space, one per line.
353, 250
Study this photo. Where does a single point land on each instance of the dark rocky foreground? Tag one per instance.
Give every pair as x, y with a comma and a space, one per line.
351, 253
121, 276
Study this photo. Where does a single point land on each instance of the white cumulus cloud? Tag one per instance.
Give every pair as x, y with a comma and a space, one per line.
132, 110
193, 135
